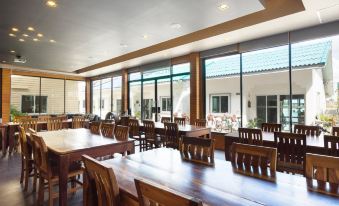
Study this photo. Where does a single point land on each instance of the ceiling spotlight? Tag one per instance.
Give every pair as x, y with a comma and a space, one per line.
51, 3
25, 35
12, 51
12, 35
52, 41
145, 36
40, 35
35, 39
175, 26
15, 29
223, 7
22, 40
30, 28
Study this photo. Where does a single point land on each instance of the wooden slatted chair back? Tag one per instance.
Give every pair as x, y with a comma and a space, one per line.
322, 174
18, 119
307, 130
124, 121
43, 118
253, 160
104, 181
28, 123
291, 152
180, 120
165, 119
331, 143
270, 127
250, 136
23, 142
149, 130
197, 150
54, 123
78, 122
151, 194
134, 128
335, 131
41, 154
121, 132
107, 129
171, 135
200, 122
95, 127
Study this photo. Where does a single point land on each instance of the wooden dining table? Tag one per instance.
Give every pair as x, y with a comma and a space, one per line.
314, 144
215, 185
68, 145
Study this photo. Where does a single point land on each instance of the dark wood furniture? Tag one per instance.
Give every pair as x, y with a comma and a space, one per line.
121, 132
270, 127
124, 120
332, 145
180, 120
291, 152
215, 186
250, 136
255, 161
171, 137
199, 150
307, 130
26, 124
165, 119
107, 129
152, 140
95, 127
322, 173
134, 133
67, 146
106, 186
54, 123
335, 131
150, 193
78, 122
200, 122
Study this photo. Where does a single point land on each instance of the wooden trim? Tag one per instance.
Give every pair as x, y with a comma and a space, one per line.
88, 95
195, 84
6, 95
47, 75
273, 9
180, 60
124, 91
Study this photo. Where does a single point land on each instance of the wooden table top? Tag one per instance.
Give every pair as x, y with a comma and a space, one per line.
70, 140
217, 185
316, 141
186, 128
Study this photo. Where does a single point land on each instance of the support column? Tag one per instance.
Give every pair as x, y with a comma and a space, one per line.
124, 92
196, 87
88, 95
6, 95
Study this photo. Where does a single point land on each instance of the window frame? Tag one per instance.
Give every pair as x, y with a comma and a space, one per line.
228, 95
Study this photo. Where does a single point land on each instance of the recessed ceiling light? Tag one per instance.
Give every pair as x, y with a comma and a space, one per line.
12, 51
145, 36
51, 3
22, 40
12, 35
35, 39
40, 35
52, 41
25, 35
175, 26
3, 61
15, 29
30, 28
223, 7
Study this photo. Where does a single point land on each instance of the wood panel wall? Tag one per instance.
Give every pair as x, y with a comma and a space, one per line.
124, 91
6, 95
88, 95
196, 84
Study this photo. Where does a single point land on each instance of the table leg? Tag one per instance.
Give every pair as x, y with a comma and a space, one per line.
4, 141
11, 138
63, 173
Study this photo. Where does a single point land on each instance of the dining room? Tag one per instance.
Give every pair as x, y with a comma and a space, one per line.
169, 103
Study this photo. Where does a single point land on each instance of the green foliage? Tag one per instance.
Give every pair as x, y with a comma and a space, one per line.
325, 118
252, 123
138, 115
15, 112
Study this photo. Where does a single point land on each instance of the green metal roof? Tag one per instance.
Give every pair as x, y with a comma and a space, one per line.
303, 55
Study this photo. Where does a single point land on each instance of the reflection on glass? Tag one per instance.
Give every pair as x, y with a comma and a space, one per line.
164, 98
106, 88
96, 97
75, 97
135, 99
52, 96
148, 100
181, 96
116, 98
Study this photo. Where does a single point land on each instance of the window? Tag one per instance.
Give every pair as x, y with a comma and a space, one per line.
116, 98
31, 104
54, 89
219, 103
102, 104
267, 109
75, 97
165, 104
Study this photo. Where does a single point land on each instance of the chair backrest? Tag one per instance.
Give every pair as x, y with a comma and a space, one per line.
253, 160
107, 129
18, 119
200, 122
165, 119
149, 129
134, 127
171, 135
331, 143
250, 136
95, 127
124, 120
197, 150
180, 120
28, 123
322, 173
104, 180
270, 127
78, 122
151, 194
121, 132
335, 131
43, 118
23, 142
291, 152
307, 130
54, 123
41, 154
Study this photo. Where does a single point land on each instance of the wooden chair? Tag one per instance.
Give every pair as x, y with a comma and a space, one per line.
101, 181
27, 162
121, 132
35, 156
250, 136
150, 194
151, 138
18, 119
47, 172
26, 124
95, 127
307, 130
253, 160
107, 129
165, 119
200, 122
134, 133
54, 123
180, 120
335, 131
78, 122
197, 150
291, 152
270, 127
43, 118
171, 137
322, 174
124, 121
331, 143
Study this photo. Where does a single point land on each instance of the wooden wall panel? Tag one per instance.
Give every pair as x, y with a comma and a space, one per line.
124, 90
48, 75
6, 95
196, 75
88, 95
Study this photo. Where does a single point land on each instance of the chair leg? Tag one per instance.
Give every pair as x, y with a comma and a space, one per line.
26, 176
41, 191
22, 170
50, 193
35, 179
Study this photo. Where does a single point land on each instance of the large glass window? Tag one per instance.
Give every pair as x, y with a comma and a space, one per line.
116, 98
106, 91
135, 99
96, 97
75, 97
54, 90
181, 99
